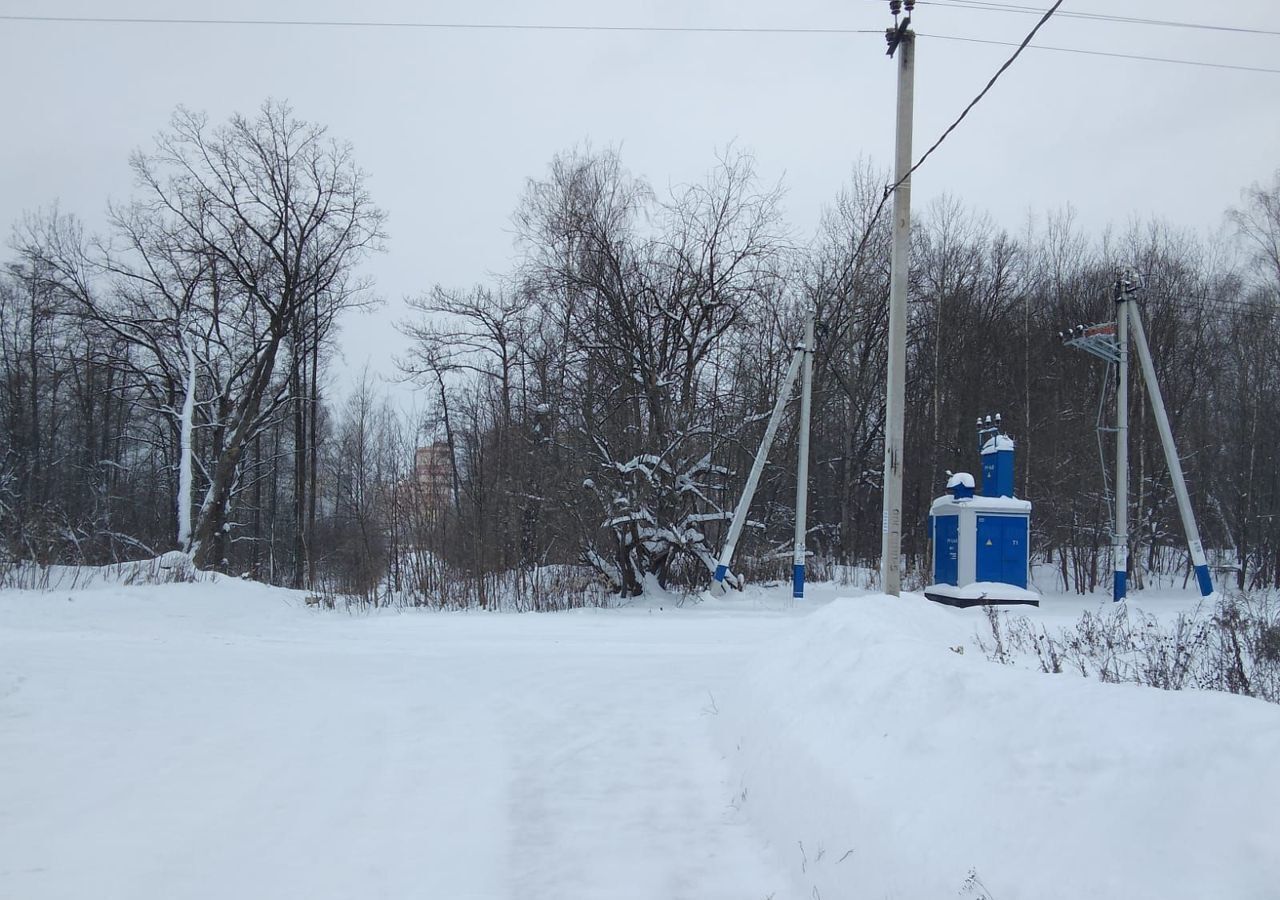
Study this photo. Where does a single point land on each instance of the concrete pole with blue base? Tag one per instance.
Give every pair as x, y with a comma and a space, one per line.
1120, 552
802, 465
1198, 560
744, 502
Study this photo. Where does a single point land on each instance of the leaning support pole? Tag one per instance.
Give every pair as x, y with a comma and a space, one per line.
1120, 553
744, 502
1171, 454
802, 464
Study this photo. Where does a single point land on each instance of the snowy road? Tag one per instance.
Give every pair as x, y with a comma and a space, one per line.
211, 745
214, 741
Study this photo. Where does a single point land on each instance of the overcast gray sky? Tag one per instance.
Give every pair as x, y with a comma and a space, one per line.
449, 123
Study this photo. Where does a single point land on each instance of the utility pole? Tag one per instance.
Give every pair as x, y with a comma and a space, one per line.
802, 464
801, 367
1110, 342
1120, 551
901, 41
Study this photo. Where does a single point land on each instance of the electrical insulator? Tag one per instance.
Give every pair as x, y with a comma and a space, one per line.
997, 418
911, 5
895, 6
988, 420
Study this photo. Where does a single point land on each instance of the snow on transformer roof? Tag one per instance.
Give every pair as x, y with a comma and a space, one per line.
947, 505
997, 443
963, 479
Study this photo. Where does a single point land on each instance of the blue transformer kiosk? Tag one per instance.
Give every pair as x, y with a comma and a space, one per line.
981, 542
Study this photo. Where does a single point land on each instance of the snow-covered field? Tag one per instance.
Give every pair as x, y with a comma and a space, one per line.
222, 740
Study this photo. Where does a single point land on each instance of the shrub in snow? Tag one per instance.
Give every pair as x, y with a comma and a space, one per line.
657, 508
429, 582
170, 568
1235, 647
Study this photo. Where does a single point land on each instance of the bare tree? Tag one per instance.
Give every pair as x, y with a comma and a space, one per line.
649, 294
1258, 222
240, 234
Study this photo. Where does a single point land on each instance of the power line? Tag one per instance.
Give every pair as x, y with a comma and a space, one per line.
1226, 309
1252, 306
472, 26
1162, 59
652, 29
1048, 14
888, 191
986, 6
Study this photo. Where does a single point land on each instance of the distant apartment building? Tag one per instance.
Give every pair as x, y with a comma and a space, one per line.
432, 475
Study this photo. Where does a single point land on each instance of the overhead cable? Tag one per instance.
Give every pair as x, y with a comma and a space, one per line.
474, 26
985, 6
1048, 14
1161, 59
889, 189
652, 29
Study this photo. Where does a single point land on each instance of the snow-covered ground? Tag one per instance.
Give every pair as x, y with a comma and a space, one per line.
222, 740
884, 757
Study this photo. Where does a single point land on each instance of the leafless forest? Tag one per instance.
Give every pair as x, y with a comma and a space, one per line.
164, 384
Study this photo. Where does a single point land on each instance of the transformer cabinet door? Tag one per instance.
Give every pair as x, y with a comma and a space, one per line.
946, 549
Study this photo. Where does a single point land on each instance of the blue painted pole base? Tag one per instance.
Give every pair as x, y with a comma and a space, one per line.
797, 582
1119, 590
1205, 580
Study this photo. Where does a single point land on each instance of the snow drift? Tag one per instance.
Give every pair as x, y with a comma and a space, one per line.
881, 760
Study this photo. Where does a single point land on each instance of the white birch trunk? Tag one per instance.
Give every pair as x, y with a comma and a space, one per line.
184, 455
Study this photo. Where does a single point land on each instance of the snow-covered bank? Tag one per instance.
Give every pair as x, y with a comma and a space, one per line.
880, 762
